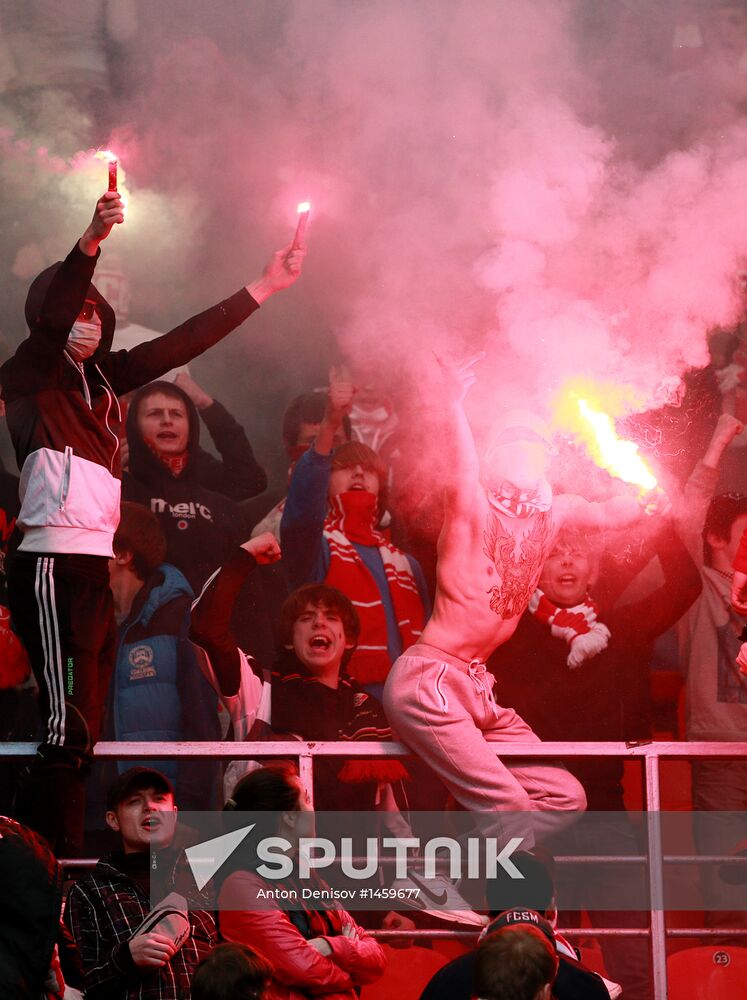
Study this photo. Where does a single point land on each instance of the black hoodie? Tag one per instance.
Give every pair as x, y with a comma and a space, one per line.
201, 527
64, 417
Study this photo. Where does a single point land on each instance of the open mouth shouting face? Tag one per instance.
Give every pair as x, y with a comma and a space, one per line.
566, 574
163, 423
351, 478
144, 818
319, 639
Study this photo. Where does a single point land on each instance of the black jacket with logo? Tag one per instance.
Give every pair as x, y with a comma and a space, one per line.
202, 527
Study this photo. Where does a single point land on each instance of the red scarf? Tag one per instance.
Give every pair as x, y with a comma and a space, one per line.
176, 464
579, 626
351, 519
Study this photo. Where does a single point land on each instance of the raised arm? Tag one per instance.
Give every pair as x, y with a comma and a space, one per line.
660, 610
608, 515
238, 476
458, 443
340, 397
64, 298
127, 370
699, 489
210, 626
302, 524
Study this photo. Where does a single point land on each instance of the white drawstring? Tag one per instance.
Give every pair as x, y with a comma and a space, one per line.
479, 674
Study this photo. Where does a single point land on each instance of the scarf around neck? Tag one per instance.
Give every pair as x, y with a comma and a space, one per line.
579, 626
351, 521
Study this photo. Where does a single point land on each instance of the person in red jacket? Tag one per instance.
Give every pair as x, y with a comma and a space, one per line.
60, 390
321, 952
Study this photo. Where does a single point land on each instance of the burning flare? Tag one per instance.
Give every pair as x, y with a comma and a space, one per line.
611, 452
115, 183
304, 208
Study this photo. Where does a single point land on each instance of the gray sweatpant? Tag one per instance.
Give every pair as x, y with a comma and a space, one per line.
443, 709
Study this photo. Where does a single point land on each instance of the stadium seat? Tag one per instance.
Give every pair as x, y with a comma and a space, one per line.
710, 972
408, 971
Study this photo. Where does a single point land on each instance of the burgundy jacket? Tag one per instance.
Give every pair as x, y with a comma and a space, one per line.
300, 971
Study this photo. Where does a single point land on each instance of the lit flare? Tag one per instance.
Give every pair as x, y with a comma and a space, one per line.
613, 453
304, 208
112, 160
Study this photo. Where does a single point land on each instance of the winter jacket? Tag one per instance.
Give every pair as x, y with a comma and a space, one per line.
300, 971
63, 416
158, 692
103, 911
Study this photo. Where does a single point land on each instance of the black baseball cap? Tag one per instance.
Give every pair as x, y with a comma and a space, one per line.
134, 780
523, 918
534, 891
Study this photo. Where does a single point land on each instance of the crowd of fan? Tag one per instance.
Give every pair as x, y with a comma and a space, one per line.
286, 628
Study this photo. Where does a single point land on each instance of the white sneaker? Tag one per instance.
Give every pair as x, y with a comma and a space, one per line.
614, 989
437, 897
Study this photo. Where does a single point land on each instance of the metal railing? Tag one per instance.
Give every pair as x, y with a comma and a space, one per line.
649, 754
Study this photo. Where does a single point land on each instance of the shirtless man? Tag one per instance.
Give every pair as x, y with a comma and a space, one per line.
499, 525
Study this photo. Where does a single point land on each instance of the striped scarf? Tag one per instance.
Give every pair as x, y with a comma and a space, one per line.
351, 519
577, 625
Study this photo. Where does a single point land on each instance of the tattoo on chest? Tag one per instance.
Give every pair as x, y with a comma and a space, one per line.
518, 558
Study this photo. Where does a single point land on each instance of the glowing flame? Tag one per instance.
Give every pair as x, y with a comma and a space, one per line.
303, 206
111, 158
105, 154
613, 453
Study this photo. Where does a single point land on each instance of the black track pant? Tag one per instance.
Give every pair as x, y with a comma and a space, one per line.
61, 607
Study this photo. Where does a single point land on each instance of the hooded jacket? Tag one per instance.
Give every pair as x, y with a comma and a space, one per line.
63, 416
201, 527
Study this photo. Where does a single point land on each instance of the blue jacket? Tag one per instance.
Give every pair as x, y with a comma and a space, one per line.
158, 691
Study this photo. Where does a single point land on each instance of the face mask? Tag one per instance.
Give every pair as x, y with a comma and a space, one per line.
83, 340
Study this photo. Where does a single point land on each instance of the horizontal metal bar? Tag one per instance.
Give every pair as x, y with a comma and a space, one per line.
293, 748
569, 932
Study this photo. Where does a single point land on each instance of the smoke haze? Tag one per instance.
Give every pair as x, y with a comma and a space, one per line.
559, 183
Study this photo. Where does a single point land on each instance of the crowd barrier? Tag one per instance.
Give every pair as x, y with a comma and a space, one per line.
650, 755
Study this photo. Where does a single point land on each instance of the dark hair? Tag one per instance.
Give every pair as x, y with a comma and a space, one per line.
272, 788
164, 388
231, 972
356, 453
514, 964
535, 891
318, 595
723, 510
140, 534
306, 409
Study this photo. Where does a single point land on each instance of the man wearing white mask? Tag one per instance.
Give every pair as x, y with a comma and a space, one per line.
60, 390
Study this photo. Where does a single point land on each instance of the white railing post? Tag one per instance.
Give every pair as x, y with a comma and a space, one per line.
656, 875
